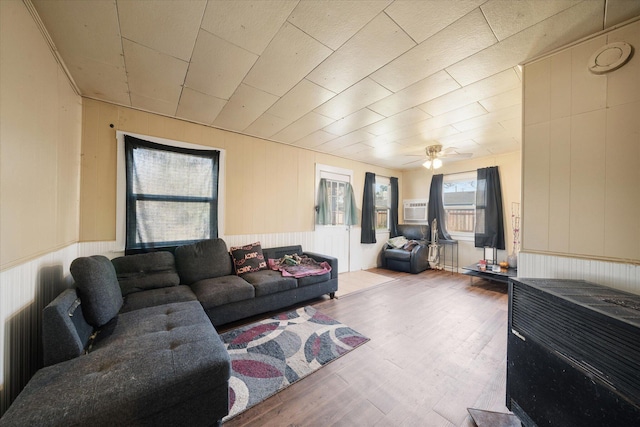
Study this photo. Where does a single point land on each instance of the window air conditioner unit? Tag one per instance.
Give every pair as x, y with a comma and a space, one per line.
415, 210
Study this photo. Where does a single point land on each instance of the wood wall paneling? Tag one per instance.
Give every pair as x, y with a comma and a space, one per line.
535, 197
559, 184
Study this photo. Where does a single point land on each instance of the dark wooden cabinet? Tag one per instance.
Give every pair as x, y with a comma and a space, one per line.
573, 354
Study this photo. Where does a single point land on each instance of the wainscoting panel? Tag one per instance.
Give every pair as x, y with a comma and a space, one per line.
621, 276
24, 291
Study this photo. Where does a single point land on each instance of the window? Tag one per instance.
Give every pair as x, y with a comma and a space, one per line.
336, 191
172, 195
459, 198
383, 202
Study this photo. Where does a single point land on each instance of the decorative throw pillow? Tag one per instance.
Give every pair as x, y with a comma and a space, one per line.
98, 288
247, 259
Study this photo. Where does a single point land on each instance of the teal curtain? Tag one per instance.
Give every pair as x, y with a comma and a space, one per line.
350, 208
323, 205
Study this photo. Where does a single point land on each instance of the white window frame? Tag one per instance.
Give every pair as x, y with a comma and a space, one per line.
121, 182
463, 176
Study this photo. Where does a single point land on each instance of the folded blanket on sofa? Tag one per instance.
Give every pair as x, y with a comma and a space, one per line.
299, 266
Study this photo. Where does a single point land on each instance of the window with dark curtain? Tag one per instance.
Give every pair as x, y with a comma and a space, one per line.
393, 220
489, 219
436, 206
368, 231
172, 195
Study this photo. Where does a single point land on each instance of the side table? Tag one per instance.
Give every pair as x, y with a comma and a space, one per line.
502, 276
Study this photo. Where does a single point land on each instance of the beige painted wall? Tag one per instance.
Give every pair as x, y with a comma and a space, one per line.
417, 182
269, 186
582, 154
40, 133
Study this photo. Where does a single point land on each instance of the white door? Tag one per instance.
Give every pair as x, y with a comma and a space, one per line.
334, 239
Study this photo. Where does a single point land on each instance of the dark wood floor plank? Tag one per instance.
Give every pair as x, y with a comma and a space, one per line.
437, 346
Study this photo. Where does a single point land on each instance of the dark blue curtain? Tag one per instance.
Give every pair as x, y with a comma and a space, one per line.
393, 213
489, 219
436, 206
368, 233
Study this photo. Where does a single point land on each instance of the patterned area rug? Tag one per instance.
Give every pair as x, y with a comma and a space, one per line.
272, 354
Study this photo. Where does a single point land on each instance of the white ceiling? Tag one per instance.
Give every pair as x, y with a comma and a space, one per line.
373, 81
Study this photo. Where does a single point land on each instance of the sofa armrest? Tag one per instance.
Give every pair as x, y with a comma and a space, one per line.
332, 261
419, 258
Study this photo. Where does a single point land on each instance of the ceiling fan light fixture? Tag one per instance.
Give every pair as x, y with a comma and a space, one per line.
437, 163
427, 164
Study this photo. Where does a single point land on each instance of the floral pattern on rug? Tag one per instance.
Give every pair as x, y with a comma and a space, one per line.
272, 354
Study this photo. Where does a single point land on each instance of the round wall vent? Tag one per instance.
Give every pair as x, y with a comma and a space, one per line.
610, 57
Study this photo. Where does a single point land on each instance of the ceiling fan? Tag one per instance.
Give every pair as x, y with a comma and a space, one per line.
435, 153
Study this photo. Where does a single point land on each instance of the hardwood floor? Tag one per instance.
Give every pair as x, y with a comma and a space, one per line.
438, 346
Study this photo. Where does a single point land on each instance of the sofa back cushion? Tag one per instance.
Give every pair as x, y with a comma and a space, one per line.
65, 332
98, 288
203, 260
281, 251
142, 272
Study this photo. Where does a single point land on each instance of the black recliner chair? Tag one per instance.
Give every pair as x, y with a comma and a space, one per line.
414, 260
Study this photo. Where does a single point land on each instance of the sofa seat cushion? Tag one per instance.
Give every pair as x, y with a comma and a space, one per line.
269, 282
98, 288
155, 297
174, 357
152, 328
398, 254
146, 271
222, 290
310, 280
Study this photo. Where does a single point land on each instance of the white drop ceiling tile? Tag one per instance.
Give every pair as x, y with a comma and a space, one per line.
412, 115
358, 96
315, 139
111, 86
244, 107
180, 21
567, 26
348, 139
461, 39
502, 100
302, 127
353, 121
289, 57
304, 97
619, 11
152, 104
461, 139
83, 29
425, 136
199, 107
502, 82
422, 19
248, 24
333, 23
507, 113
454, 116
380, 41
425, 90
153, 74
351, 149
510, 17
267, 125
514, 126
217, 66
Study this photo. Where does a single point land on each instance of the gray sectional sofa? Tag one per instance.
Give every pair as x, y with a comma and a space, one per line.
134, 342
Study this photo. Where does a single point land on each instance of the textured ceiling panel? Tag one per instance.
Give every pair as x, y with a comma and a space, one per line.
368, 80
248, 24
376, 44
179, 21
